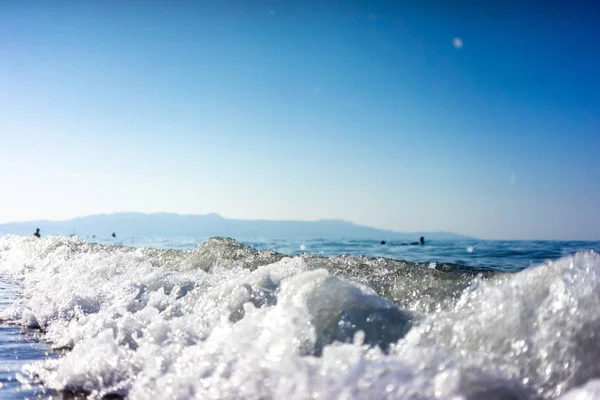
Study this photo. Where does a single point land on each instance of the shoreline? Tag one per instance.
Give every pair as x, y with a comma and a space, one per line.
17, 348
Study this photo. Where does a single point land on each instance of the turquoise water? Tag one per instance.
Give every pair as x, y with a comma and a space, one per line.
76, 293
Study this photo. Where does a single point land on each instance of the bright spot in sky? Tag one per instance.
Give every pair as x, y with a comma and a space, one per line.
457, 42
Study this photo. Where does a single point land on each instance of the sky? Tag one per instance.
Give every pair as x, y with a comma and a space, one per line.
472, 117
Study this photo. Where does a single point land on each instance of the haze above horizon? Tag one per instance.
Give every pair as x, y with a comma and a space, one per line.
481, 119
138, 225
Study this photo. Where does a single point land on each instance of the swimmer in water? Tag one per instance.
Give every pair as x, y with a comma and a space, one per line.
420, 242
37, 233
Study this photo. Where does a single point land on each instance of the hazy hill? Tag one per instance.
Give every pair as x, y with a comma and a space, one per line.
165, 224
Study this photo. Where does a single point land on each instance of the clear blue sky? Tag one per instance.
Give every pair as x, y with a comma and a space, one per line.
367, 111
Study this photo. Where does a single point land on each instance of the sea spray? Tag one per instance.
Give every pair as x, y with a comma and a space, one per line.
229, 321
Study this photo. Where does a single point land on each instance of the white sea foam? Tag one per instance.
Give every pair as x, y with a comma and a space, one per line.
590, 391
226, 321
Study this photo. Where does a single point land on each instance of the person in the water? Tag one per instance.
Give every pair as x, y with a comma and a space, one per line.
114, 235
37, 233
383, 242
420, 242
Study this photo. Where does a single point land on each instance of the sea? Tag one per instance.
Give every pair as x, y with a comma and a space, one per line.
215, 318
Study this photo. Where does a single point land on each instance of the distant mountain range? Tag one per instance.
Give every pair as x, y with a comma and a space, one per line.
174, 225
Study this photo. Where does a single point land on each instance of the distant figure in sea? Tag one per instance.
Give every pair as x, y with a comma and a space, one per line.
383, 242
37, 233
114, 235
420, 242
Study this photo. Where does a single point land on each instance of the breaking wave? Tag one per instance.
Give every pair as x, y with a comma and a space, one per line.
229, 321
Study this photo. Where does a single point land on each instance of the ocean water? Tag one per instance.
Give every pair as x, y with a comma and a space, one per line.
184, 318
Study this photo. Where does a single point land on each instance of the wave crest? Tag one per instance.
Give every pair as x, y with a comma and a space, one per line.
229, 321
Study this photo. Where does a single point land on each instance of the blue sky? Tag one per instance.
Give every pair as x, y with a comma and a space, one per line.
365, 111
